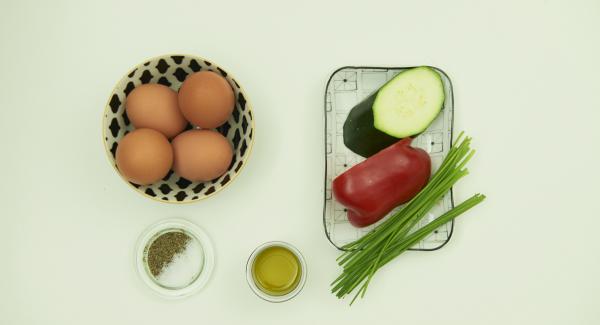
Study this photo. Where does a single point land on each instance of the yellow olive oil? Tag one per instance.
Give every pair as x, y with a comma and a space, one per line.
276, 271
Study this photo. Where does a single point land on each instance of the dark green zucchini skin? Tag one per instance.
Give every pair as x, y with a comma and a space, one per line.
360, 135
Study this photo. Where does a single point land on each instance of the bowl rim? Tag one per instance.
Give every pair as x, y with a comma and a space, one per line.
156, 198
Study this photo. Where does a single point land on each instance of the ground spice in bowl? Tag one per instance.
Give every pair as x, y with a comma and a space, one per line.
164, 249
175, 258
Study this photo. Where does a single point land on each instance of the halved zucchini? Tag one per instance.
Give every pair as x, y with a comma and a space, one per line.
403, 107
407, 104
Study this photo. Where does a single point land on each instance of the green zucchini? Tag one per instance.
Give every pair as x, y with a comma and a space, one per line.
360, 135
403, 107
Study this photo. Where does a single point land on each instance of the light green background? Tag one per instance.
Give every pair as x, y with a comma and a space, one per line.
526, 78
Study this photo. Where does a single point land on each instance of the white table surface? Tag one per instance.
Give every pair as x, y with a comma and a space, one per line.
527, 87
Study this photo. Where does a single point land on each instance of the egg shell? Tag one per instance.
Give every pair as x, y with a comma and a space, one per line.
144, 156
206, 99
155, 106
201, 155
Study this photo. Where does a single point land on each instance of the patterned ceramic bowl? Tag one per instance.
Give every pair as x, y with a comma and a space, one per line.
171, 70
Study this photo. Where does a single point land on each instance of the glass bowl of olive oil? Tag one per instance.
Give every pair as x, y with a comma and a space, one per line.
276, 271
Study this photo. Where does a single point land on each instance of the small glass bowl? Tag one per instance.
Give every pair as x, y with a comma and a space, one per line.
204, 265
250, 278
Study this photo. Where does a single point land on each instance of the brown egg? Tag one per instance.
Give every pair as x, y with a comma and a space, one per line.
155, 107
201, 155
144, 156
206, 99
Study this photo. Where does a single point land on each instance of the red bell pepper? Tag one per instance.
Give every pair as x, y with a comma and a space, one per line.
393, 176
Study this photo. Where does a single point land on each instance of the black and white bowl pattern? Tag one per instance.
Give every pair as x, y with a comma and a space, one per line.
171, 71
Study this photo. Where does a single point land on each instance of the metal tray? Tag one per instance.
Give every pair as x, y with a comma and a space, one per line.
346, 87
